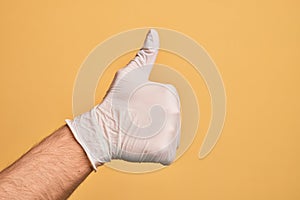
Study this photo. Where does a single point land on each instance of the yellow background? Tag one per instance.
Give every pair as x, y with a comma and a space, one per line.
255, 45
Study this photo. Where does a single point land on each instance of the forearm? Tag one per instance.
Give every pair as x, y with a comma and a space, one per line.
118, 128
50, 170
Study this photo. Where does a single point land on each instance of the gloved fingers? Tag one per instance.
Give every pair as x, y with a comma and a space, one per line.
138, 70
175, 93
152, 40
146, 56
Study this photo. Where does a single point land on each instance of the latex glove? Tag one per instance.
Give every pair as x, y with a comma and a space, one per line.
138, 120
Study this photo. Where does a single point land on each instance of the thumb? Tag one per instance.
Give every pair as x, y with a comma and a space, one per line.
147, 54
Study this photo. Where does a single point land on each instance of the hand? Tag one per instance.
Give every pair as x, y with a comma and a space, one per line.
138, 120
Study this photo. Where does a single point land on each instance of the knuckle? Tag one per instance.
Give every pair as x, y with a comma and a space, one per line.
171, 88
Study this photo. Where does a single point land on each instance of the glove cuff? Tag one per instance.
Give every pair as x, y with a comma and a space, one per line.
89, 135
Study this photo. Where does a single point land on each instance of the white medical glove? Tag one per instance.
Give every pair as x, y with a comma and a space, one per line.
138, 120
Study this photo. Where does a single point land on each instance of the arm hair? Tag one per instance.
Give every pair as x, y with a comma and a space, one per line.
53, 169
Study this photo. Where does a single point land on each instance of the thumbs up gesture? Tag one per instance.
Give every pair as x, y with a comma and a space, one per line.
137, 121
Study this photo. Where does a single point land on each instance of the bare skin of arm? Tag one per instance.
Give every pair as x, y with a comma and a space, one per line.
53, 169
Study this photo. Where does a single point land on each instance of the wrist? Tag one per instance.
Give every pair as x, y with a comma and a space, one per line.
89, 134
